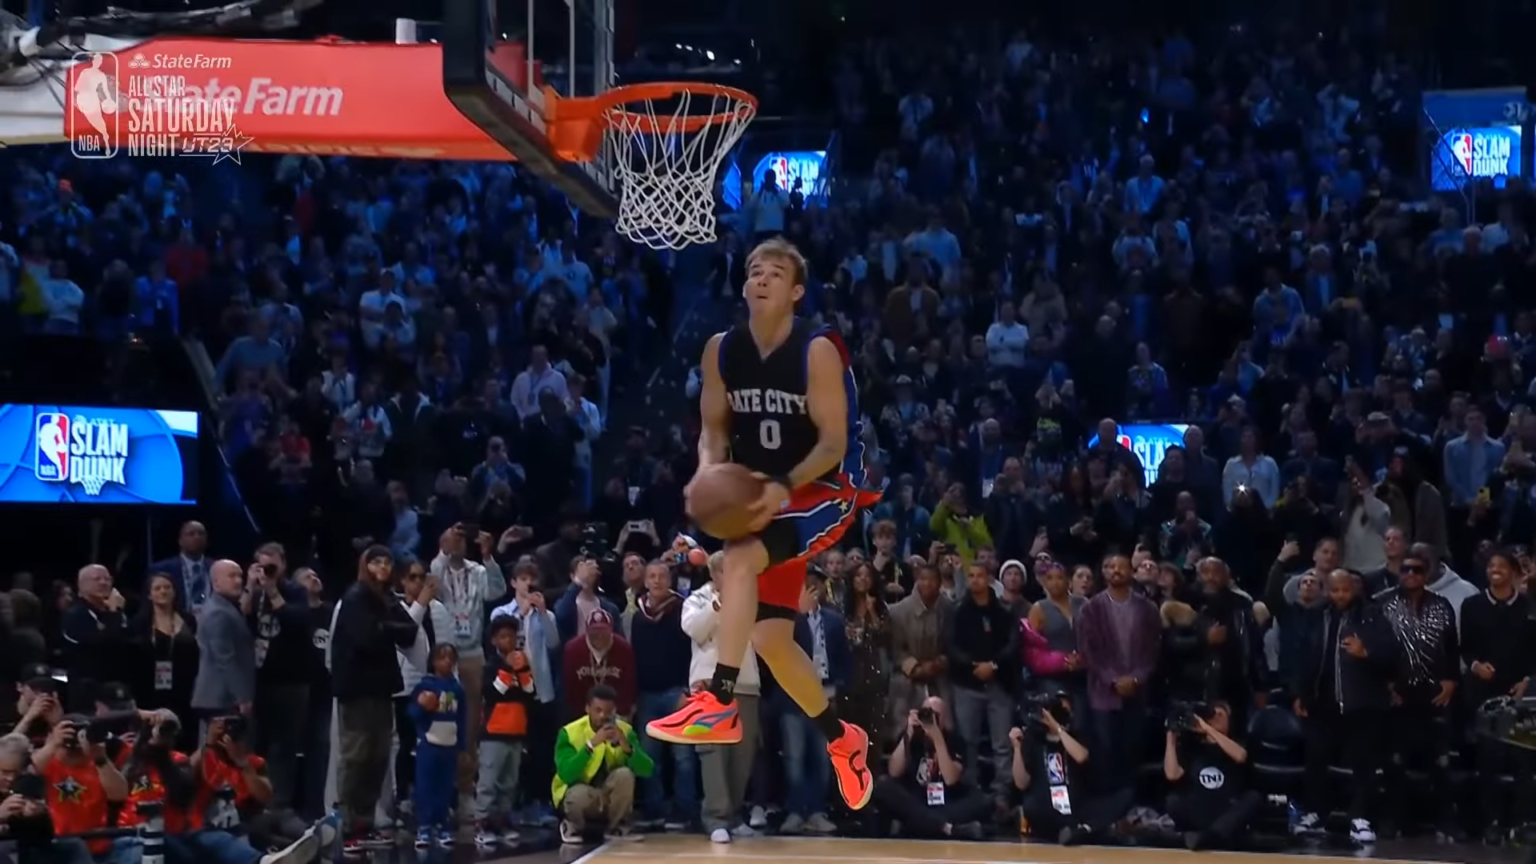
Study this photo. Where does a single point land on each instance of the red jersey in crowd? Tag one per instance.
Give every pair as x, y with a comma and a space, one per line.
149, 786
76, 800
218, 774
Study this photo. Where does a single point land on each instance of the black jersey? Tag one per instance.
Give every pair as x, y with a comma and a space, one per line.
771, 427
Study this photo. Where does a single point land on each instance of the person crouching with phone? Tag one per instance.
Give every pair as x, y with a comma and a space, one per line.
438, 707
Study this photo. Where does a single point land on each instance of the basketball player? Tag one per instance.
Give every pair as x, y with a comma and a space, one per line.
778, 398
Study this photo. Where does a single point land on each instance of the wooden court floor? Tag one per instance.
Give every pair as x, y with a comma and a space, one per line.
694, 849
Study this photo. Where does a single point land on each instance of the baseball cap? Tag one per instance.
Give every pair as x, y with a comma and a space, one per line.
38, 678
599, 618
116, 696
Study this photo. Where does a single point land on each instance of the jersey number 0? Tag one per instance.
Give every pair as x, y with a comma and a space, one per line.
768, 435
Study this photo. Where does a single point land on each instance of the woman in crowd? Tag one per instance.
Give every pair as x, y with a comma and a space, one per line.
1050, 639
168, 668
869, 680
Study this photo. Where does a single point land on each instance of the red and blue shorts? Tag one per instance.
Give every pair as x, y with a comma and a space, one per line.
815, 519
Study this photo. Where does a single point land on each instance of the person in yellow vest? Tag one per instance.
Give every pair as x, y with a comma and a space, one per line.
597, 759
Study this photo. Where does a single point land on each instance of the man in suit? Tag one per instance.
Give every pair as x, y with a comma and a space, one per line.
188, 569
226, 676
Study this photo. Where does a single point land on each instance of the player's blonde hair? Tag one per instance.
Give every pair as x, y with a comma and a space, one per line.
783, 250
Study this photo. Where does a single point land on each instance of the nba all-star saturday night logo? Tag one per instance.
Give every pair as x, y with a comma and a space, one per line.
80, 451
143, 105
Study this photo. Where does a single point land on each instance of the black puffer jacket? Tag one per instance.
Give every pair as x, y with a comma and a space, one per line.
1359, 683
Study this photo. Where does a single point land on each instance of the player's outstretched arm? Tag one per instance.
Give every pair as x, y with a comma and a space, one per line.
827, 403
714, 408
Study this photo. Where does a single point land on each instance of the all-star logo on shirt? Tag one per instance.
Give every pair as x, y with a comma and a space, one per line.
69, 790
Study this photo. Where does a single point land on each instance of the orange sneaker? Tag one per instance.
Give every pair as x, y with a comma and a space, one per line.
703, 719
850, 758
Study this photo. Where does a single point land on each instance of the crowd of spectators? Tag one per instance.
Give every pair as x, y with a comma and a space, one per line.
1305, 600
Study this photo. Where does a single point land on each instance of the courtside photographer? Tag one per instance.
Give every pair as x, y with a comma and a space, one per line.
1210, 802
228, 783
1050, 771
924, 787
26, 831
81, 785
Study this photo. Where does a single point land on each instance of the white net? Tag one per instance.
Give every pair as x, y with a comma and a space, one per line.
92, 485
666, 158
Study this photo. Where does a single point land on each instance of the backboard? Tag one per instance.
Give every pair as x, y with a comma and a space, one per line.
498, 55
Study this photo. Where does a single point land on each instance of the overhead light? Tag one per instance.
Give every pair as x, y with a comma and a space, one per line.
710, 55
678, 46
737, 62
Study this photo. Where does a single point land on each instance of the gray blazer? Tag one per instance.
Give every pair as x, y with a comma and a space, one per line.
226, 674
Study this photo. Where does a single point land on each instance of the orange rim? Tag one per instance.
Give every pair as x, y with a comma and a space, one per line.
576, 126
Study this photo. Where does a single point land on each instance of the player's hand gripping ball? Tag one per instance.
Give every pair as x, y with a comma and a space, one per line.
720, 499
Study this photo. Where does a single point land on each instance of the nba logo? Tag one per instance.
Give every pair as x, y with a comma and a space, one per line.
1124, 440
780, 168
1461, 148
51, 448
92, 113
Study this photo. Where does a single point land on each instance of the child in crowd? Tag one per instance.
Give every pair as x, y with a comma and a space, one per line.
508, 694
437, 706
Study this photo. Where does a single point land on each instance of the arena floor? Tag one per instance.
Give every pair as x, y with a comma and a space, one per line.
695, 849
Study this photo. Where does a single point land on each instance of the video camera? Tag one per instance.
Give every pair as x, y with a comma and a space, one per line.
1182, 715
235, 727
1510, 720
594, 541
594, 546
1056, 704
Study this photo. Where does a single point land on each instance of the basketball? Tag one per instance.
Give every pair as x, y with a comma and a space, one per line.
718, 499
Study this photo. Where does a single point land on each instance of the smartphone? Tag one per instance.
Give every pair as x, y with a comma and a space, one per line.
269, 570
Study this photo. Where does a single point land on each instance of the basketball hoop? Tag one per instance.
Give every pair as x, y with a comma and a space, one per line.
666, 144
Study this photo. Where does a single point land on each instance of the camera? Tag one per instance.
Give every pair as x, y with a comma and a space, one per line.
167, 730
594, 541
234, 727
925, 716
1512, 721
1053, 703
594, 545
112, 726
1182, 715
30, 787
